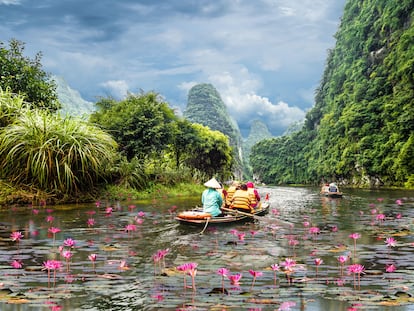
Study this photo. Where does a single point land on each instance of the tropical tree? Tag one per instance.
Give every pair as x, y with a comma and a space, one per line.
141, 124
210, 153
25, 76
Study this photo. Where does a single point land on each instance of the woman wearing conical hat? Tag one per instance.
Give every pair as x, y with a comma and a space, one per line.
211, 198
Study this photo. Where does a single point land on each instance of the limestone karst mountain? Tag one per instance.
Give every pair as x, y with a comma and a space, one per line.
72, 102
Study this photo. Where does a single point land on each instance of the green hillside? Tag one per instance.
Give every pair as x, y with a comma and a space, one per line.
205, 106
361, 129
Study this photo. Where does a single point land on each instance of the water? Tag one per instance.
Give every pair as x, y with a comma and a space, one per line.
125, 276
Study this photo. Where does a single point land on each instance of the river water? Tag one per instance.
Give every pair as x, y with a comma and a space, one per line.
288, 259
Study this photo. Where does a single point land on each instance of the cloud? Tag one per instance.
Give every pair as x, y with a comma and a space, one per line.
263, 56
10, 2
240, 96
118, 88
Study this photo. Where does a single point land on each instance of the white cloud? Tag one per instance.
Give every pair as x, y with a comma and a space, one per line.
239, 93
264, 57
118, 88
10, 2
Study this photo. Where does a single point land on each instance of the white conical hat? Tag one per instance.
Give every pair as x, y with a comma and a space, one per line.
212, 183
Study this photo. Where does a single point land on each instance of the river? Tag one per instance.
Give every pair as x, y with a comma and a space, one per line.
124, 255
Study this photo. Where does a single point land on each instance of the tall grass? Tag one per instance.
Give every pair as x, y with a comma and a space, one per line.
55, 153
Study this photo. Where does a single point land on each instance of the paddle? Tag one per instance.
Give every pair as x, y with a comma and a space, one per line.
235, 211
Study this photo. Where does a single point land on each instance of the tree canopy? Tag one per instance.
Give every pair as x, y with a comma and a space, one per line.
25, 76
146, 128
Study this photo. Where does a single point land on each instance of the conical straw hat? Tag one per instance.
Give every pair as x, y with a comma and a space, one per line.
212, 183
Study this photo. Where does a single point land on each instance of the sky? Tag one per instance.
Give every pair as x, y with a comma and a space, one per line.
265, 57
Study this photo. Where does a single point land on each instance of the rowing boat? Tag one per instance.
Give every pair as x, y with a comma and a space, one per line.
333, 194
197, 217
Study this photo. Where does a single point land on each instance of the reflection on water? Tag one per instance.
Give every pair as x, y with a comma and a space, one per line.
307, 265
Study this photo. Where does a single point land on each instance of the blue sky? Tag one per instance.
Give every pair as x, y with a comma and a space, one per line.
265, 57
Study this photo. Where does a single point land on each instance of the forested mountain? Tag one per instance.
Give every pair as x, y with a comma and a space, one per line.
361, 129
205, 106
258, 132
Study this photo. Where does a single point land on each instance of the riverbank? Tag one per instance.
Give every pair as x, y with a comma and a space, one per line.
23, 196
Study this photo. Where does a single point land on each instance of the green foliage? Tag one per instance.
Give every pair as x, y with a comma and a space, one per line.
54, 154
171, 149
25, 76
141, 124
360, 129
11, 106
210, 153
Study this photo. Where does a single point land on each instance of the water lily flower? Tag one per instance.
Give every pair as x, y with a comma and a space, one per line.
355, 236
255, 274
223, 272
17, 264
16, 236
275, 267
356, 269
390, 268
235, 279
391, 242
90, 222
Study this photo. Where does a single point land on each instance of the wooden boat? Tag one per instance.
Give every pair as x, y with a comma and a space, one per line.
197, 217
333, 194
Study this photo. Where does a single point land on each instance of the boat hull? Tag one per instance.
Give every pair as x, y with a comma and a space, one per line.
228, 219
333, 194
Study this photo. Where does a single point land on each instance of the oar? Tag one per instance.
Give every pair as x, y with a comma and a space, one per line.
205, 226
235, 211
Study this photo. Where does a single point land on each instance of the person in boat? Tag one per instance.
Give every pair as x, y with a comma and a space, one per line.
333, 187
223, 193
325, 188
254, 194
230, 192
212, 200
241, 200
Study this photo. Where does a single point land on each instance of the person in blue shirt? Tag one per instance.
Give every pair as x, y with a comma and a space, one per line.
212, 200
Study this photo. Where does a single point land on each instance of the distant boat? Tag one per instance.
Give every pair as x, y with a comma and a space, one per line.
331, 191
332, 194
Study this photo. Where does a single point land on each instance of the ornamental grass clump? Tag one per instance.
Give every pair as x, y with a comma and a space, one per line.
54, 153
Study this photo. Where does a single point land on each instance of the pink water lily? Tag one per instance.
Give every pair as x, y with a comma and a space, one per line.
16, 236
17, 264
354, 236
342, 259
235, 279
223, 272
391, 242
275, 267
390, 268
90, 222
318, 262
191, 269
255, 274
51, 265
356, 269
289, 265
158, 258
69, 242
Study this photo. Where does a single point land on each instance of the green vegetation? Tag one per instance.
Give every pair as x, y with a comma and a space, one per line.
206, 107
361, 129
60, 156
136, 146
25, 76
